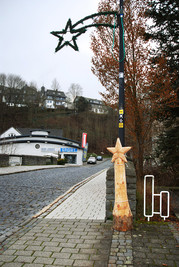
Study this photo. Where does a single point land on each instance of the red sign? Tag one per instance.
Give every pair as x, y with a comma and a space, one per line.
84, 139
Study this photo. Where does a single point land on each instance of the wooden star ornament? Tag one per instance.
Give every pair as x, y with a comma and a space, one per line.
118, 151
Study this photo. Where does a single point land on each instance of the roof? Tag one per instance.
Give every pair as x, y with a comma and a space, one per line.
55, 93
91, 100
52, 132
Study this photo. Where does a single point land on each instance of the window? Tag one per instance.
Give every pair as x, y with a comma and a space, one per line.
11, 135
37, 146
70, 158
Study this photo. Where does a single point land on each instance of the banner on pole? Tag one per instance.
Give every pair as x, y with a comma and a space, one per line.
85, 151
84, 139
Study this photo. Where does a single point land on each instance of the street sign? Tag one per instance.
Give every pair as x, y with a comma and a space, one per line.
68, 150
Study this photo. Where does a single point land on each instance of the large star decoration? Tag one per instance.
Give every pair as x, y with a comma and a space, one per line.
75, 33
118, 151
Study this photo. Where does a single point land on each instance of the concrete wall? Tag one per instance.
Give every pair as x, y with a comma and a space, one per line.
15, 161
34, 160
4, 160
131, 189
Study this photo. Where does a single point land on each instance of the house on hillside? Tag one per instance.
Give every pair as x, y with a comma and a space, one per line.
96, 106
53, 99
10, 96
22, 97
27, 96
40, 143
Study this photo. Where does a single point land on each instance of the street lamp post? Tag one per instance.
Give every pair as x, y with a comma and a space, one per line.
121, 77
122, 216
80, 27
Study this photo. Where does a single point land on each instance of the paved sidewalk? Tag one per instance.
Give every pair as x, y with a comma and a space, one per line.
55, 238
54, 242
88, 202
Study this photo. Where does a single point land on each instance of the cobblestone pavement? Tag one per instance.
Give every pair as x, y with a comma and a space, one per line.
22, 195
63, 242
155, 245
147, 245
48, 242
121, 253
19, 169
54, 242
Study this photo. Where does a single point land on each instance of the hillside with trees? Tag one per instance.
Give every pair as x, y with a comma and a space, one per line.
101, 128
21, 106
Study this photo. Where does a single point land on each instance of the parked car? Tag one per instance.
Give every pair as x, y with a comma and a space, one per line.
99, 158
91, 160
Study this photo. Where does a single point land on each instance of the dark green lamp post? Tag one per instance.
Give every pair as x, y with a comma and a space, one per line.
121, 76
79, 28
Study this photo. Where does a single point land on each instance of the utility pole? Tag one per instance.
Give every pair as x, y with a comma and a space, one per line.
121, 77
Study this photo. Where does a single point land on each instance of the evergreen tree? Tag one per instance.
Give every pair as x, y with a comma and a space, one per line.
168, 151
81, 104
165, 28
164, 31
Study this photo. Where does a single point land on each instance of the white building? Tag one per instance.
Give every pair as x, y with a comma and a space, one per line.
33, 142
96, 105
53, 99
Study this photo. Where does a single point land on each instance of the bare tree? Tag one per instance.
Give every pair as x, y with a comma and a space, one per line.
8, 148
55, 85
3, 79
15, 81
33, 84
74, 91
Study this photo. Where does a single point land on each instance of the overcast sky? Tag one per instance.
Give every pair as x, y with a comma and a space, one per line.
28, 49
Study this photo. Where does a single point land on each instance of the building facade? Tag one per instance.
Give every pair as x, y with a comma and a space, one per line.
39, 142
96, 106
27, 96
53, 99
19, 97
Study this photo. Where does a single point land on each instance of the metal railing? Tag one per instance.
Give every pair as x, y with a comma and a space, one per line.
153, 200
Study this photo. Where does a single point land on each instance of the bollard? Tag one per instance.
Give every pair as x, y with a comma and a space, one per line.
122, 216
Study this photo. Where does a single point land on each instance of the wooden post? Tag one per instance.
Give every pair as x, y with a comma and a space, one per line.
122, 216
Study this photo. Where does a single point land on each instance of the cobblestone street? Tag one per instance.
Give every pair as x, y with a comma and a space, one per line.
22, 195
56, 238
